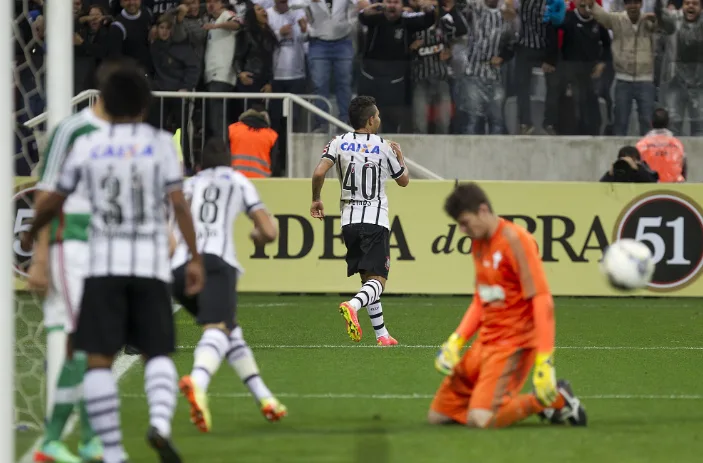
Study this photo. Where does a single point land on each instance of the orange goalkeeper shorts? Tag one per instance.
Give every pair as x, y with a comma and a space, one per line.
485, 378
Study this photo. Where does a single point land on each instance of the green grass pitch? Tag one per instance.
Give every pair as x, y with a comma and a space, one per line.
637, 364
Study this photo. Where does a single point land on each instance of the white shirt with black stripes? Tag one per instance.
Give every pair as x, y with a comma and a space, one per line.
217, 196
364, 163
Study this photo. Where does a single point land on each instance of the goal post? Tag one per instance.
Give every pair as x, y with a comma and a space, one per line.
7, 324
41, 74
59, 90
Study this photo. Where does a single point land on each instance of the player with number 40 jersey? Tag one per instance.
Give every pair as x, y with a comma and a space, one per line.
364, 162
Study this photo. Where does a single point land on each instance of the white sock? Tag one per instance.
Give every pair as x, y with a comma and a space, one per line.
376, 315
103, 407
55, 358
208, 356
242, 360
370, 291
160, 378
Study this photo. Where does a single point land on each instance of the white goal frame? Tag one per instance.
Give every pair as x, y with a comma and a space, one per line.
7, 285
58, 17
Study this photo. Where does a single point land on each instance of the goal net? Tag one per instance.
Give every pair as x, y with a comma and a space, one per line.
29, 102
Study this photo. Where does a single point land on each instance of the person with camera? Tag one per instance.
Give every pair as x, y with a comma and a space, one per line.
630, 168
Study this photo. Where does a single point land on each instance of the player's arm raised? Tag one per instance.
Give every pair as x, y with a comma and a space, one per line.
396, 163
533, 281
317, 209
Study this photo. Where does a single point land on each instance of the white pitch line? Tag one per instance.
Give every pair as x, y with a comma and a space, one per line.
335, 396
429, 346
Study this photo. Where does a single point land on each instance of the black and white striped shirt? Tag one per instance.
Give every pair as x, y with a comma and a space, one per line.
488, 33
426, 60
217, 196
533, 29
125, 171
364, 163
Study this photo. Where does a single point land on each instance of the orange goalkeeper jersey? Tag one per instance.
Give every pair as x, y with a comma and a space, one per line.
509, 274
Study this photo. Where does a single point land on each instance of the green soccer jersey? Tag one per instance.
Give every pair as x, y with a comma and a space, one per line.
73, 222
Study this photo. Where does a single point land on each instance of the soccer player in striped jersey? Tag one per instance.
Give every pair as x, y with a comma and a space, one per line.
217, 195
125, 170
57, 271
364, 162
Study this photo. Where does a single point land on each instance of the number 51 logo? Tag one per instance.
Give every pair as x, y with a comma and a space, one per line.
671, 224
24, 213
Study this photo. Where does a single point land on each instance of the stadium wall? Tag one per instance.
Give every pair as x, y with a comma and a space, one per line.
580, 159
573, 222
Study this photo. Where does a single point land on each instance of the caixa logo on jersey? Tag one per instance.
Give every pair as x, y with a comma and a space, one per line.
359, 148
23, 201
671, 224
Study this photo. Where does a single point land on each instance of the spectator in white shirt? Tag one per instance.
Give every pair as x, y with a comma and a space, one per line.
220, 75
331, 52
290, 27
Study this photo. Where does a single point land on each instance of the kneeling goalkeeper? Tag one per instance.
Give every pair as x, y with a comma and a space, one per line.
512, 311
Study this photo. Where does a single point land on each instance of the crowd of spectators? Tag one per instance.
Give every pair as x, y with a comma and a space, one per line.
448, 66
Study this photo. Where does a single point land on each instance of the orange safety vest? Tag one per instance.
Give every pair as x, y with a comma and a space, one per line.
251, 149
664, 153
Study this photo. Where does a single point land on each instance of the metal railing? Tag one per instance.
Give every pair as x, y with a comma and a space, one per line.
288, 100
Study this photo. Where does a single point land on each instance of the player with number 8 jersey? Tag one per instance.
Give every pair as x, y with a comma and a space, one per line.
364, 162
217, 194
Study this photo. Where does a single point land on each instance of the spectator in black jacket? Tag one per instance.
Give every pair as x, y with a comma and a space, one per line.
176, 65
386, 57
176, 69
89, 45
629, 168
253, 59
129, 34
585, 53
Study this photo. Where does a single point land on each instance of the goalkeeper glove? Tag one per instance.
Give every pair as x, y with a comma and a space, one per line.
449, 354
544, 379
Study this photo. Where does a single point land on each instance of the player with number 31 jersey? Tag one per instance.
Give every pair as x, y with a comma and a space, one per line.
364, 162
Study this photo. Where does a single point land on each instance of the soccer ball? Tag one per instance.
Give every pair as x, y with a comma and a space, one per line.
628, 265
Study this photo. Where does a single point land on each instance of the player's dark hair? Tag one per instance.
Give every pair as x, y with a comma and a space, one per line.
660, 119
215, 154
124, 89
467, 197
629, 152
361, 109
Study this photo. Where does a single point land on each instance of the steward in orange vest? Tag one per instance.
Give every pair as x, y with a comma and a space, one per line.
253, 144
663, 151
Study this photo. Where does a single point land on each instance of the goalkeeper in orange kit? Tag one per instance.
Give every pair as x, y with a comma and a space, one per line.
513, 313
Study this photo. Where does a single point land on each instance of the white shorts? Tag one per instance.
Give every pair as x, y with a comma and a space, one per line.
69, 261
